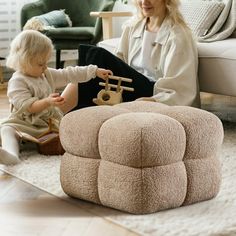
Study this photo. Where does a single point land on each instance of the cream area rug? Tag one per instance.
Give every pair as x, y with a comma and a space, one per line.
216, 217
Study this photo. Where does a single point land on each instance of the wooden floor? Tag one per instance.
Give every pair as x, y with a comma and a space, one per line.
28, 211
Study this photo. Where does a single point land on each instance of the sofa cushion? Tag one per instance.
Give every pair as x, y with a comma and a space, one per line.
109, 44
216, 70
71, 33
200, 15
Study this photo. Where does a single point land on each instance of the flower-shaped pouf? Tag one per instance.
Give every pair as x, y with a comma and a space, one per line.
141, 157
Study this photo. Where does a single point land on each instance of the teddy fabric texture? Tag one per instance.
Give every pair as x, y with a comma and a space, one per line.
141, 157
52, 19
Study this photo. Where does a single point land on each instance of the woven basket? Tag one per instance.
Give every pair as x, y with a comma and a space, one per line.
50, 144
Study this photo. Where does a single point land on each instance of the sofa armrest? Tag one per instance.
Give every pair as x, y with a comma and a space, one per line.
107, 20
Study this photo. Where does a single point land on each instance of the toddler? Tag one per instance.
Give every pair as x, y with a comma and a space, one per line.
32, 91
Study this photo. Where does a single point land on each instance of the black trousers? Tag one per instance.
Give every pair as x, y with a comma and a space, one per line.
102, 58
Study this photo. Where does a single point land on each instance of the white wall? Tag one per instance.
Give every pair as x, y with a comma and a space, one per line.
9, 22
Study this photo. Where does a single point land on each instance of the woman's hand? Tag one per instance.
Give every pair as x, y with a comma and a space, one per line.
103, 73
147, 99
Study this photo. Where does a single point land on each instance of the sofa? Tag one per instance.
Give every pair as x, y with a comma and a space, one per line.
217, 57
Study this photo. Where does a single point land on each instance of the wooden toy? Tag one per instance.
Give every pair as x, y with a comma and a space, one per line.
110, 97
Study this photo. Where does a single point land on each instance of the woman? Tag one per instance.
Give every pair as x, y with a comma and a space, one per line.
157, 51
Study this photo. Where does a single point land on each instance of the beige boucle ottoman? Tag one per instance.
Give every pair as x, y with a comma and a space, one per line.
141, 157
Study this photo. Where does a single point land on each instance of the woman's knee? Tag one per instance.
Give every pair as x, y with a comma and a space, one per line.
91, 54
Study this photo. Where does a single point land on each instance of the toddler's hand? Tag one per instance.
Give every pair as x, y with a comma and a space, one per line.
103, 73
55, 99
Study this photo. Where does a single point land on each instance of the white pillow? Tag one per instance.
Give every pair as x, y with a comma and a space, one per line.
201, 14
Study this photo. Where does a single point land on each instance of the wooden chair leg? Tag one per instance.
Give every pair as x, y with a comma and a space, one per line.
1, 74
3, 84
1, 71
58, 58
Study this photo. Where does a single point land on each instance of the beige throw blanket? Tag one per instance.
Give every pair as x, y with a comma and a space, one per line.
224, 26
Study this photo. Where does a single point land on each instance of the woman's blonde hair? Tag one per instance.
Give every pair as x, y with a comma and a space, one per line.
25, 47
173, 12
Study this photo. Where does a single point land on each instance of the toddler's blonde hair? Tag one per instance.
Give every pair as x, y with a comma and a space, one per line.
25, 47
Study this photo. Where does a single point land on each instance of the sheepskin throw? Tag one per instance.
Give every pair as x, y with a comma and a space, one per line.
52, 19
